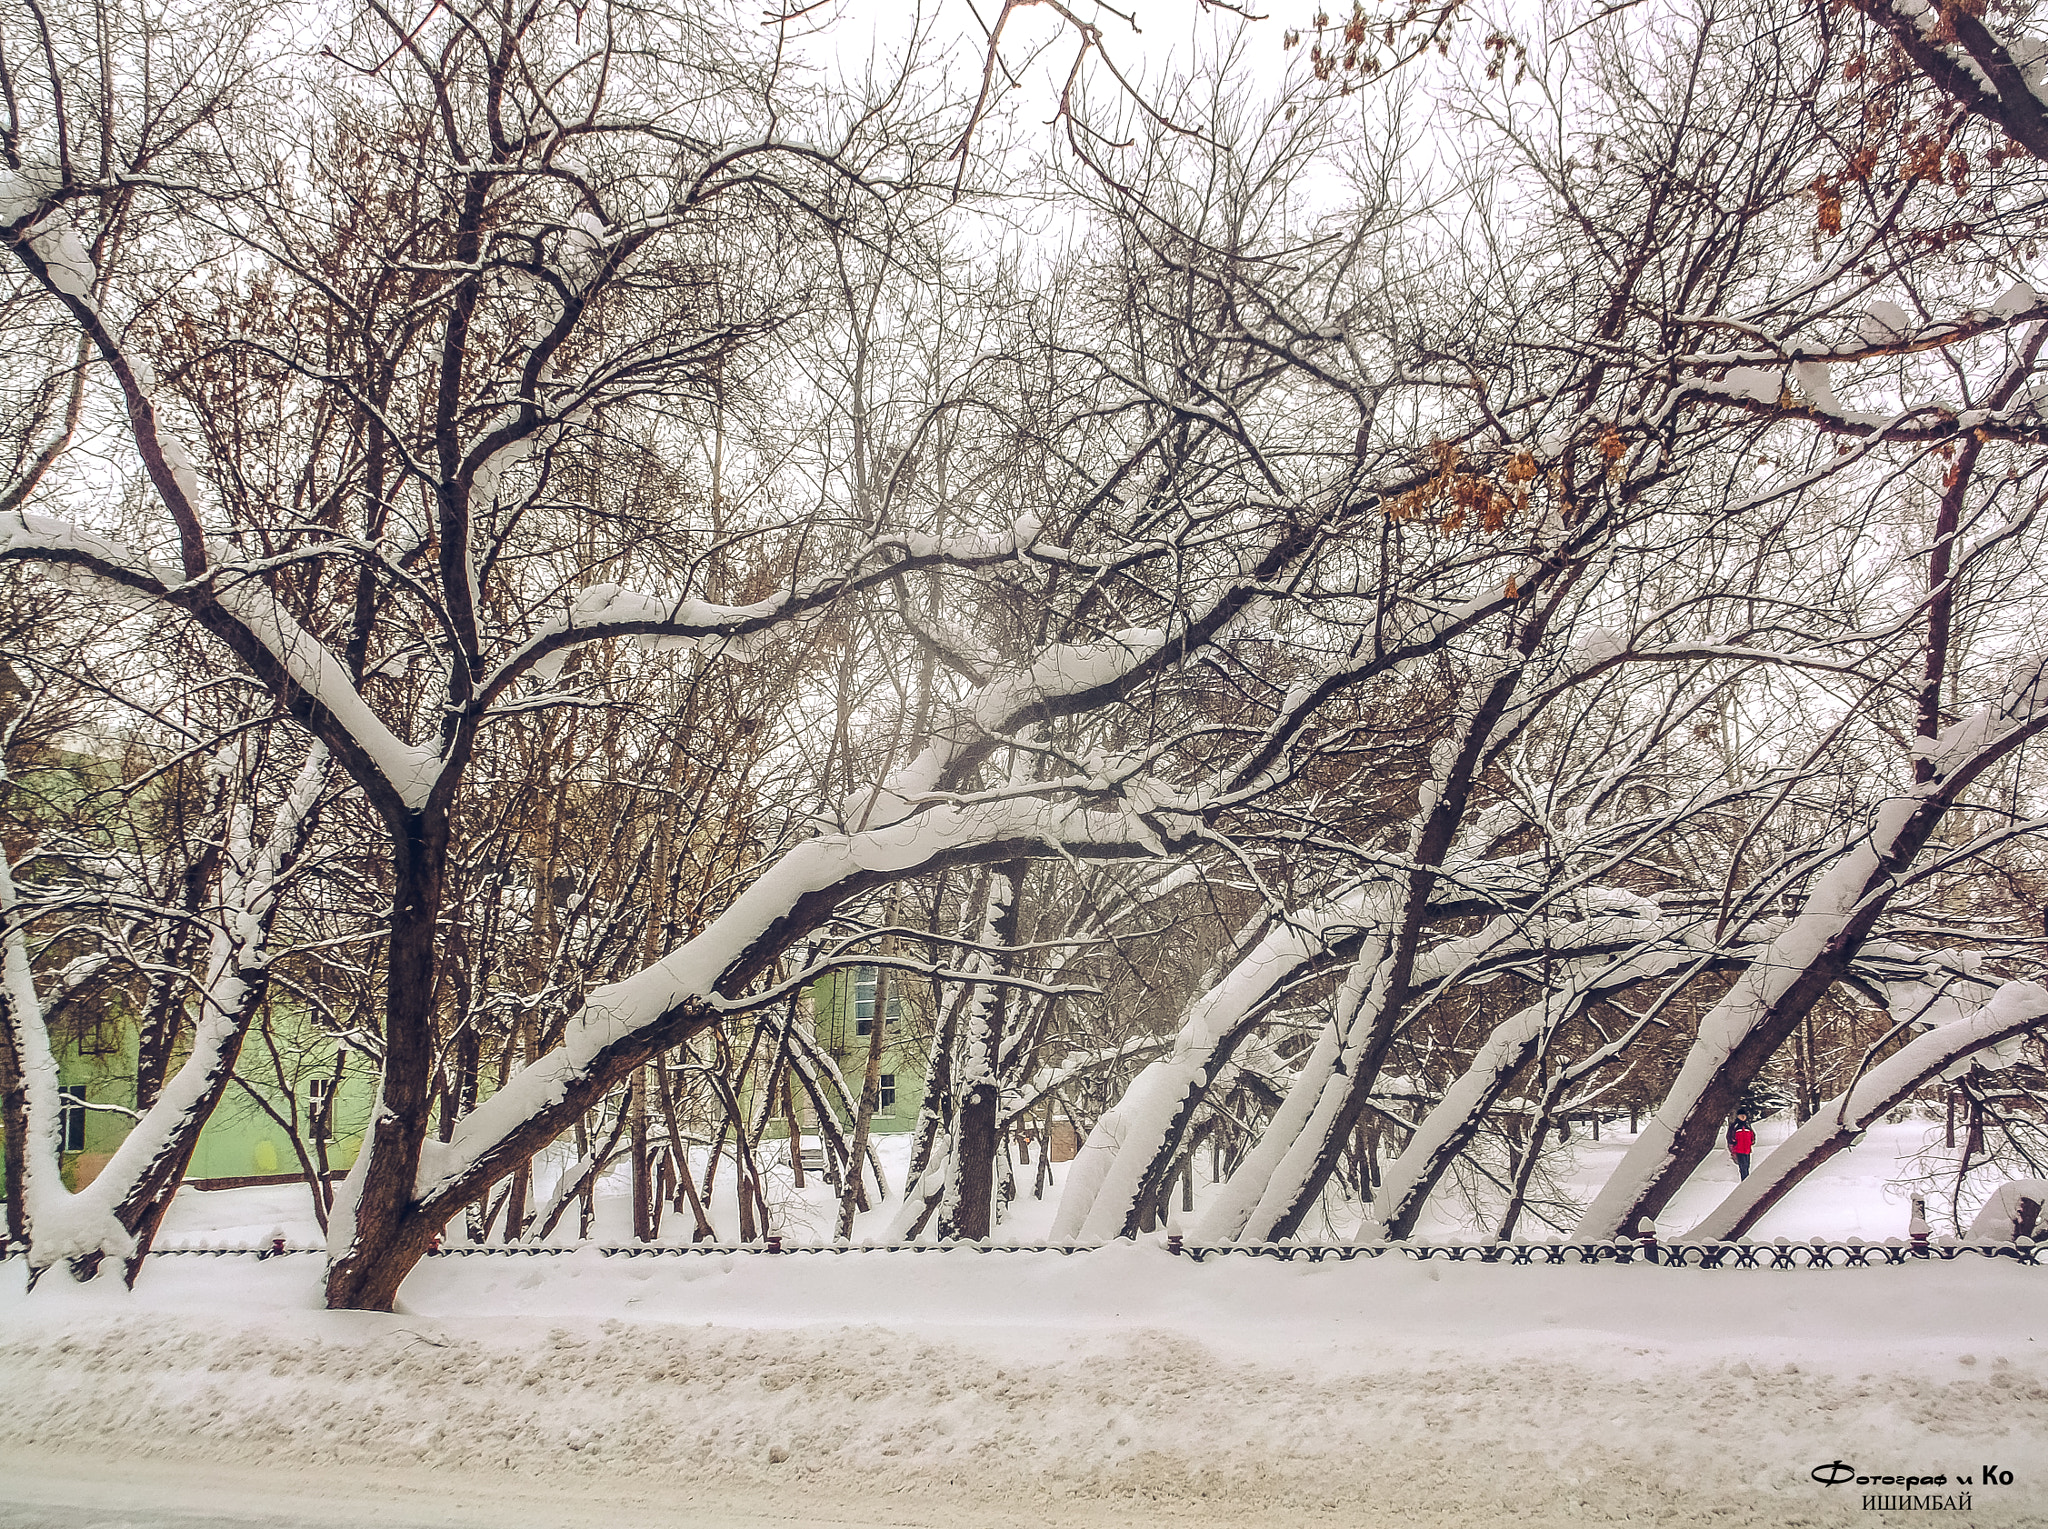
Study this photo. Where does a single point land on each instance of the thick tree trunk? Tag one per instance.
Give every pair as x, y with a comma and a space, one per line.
1131, 1149
384, 1233
1748, 1025
1281, 1180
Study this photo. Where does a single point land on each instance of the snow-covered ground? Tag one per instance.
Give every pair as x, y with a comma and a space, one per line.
1113, 1387
1861, 1193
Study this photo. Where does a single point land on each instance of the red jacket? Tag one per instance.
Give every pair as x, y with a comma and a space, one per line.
1743, 1139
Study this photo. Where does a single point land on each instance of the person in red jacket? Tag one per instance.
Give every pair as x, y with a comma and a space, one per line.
1741, 1140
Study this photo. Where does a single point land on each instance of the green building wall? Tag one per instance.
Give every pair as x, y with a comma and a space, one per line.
903, 1051
242, 1141
239, 1141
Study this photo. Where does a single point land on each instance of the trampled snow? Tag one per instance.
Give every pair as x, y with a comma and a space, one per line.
1123, 1385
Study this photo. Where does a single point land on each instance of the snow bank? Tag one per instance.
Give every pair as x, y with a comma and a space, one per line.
1012, 1388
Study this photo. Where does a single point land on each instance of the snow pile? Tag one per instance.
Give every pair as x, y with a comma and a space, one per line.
2006, 1211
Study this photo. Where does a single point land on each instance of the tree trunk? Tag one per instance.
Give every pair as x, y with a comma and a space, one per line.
935, 1114
1044, 1170
1749, 1023
13, 1127
383, 1236
744, 1188
516, 1195
460, 1099
2014, 1009
977, 1124
142, 1210
795, 1129
1802, 1053
636, 1125
704, 1231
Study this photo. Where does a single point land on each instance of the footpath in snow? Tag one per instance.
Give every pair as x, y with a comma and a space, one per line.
1122, 1386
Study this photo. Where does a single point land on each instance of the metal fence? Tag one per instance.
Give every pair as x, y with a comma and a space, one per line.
1781, 1253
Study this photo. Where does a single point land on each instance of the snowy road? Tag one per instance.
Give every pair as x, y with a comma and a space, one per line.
46, 1489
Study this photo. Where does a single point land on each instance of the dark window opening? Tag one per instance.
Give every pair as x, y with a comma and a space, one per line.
887, 1103
71, 1118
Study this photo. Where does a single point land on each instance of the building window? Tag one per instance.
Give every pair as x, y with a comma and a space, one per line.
320, 1109
864, 1002
71, 1118
886, 1104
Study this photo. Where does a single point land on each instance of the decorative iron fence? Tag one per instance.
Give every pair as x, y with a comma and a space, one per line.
1781, 1253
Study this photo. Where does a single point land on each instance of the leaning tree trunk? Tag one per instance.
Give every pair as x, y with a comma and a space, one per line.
1276, 1187
1131, 1148
123, 1208
1774, 997
1455, 1119
643, 1182
1752, 1020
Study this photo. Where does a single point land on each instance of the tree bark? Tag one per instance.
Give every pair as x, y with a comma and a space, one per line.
978, 1124
386, 1232
643, 1188
13, 1126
